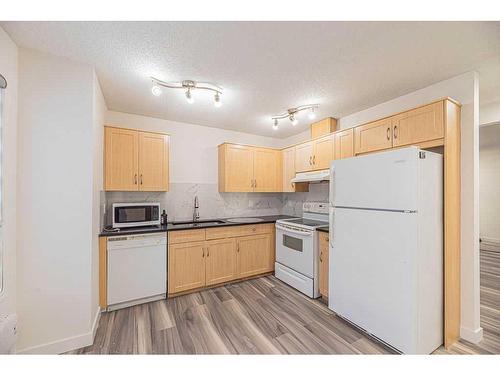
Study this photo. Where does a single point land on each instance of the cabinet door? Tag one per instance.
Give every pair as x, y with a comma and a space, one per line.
323, 127
255, 255
419, 125
288, 169
373, 136
267, 171
186, 266
303, 157
323, 264
344, 144
153, 161
238, 168
121, 159
323, 153
220, 261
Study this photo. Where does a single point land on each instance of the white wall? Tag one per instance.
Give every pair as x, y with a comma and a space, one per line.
8, 68
54, 203
489, 182
465, 89
99, 112
490, 113
193, 152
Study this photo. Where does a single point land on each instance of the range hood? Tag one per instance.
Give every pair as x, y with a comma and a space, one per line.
316, 176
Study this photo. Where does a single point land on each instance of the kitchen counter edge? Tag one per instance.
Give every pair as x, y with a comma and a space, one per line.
169, 227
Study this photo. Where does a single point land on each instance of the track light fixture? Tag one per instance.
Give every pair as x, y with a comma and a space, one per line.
275, 125
189, 96
291, 114
189, 86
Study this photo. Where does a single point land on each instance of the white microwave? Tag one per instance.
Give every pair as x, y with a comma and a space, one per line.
126, 215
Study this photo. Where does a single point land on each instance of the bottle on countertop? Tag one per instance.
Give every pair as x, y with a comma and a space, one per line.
163, 218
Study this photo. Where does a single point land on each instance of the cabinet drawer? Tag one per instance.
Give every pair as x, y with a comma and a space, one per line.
237, 231
190, 235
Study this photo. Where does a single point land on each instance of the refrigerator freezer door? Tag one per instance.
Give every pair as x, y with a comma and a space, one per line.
372, 273
385, 180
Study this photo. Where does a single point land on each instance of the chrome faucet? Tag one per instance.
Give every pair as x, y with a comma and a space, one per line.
196, 213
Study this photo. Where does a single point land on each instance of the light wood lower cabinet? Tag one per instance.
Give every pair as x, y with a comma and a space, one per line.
255, 255
203, 257
220, 261
323, 263
186, 266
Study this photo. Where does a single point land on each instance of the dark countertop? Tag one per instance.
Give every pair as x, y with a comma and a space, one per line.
324, 229
200, 225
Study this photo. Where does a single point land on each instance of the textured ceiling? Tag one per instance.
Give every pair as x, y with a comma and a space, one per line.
267, 67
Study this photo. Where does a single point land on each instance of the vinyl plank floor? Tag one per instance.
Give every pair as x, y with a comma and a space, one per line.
265, 316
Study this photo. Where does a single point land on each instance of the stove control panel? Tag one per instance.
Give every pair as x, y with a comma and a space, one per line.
315, 207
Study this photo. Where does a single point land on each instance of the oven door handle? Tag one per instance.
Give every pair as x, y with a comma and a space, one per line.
289, 230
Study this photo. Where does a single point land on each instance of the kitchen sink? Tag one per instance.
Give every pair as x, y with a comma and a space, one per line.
198, 223
244, 220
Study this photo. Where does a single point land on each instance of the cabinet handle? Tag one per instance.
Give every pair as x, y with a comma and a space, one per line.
310, 160
255, 184
388, 134
395, 131
321, 257
140, 179
135, 179
238, 247
203, 252
251, 183
314, 159
208, 252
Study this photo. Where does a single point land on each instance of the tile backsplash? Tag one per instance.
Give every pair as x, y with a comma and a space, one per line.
179, 201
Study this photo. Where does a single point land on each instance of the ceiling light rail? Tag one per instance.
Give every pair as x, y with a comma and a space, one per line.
291, 114
189, 86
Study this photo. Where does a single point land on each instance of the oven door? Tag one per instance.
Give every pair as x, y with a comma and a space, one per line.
295, 248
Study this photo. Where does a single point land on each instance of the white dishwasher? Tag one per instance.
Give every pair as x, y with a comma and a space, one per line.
137, 269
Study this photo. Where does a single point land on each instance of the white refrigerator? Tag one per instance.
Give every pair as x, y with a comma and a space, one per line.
386, 246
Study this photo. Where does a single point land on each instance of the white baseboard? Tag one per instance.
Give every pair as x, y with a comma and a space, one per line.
97, 318
472, 335
67, 344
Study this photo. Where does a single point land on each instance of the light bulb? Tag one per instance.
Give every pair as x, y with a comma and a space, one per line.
189, 97
312, 114
156, 90
293, 120
275, 125
217, 101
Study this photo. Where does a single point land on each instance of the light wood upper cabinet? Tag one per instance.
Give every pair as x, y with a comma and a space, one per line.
135, 160
186, 266
418, 125
303, 156
344, 144
288, 156
323, 264
255, 255
153, 161
267, 170
121, 164
323, 153
220, 261
249, 169
235, 168
374, 136
323, 127
314, 155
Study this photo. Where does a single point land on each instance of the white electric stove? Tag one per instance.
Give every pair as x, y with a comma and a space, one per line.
297, 254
